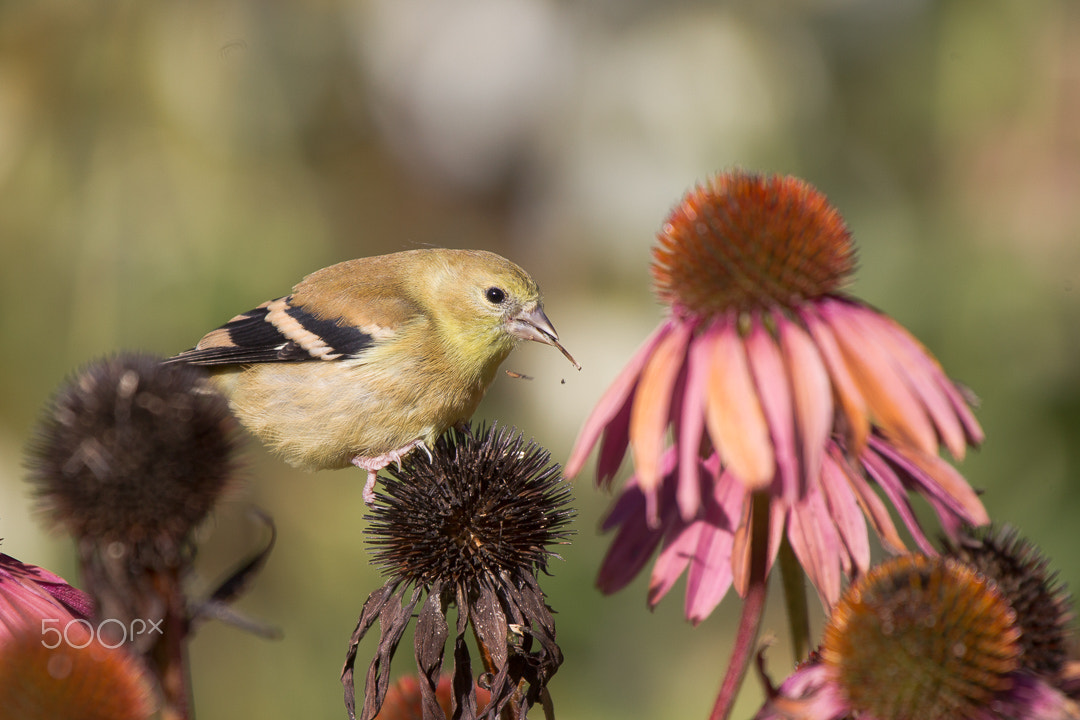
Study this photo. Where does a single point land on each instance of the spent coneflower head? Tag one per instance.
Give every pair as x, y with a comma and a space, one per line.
922, 637
129, 457
1023, 576
134, 452
471, 525
767, 378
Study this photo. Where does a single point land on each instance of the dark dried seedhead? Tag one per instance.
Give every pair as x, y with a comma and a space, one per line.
133, 452
471, 525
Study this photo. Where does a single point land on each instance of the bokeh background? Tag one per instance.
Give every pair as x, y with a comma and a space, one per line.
166, 165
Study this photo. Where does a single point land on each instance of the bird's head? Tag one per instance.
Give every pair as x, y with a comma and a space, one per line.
495, 304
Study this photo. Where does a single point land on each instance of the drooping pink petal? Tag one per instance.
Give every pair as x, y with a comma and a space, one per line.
937, 480
923, 374
733, 413
771, 378
650, 415
816, 543
873, 508
893, 406
692, 424
812, 393
843, 383
710, 574
613, 444
679, 549
612, 401
846, 513
888, 481
634, 543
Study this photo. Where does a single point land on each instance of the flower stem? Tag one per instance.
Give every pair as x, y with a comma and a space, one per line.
795, 600
169, 658
752, 611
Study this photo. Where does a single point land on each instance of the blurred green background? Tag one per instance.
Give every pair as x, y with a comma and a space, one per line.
166, 165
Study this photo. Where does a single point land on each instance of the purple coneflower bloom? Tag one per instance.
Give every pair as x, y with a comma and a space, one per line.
934, 638
766, 378
29, 593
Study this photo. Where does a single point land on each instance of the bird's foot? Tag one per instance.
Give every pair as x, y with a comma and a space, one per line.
374, 464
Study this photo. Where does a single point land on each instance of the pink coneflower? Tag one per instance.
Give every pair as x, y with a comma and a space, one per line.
51, 665
29, 593
767, 380
935, 638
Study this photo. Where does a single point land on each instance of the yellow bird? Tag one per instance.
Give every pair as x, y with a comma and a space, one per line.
372, 358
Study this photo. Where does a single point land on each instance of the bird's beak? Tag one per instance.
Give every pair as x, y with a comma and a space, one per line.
534, 325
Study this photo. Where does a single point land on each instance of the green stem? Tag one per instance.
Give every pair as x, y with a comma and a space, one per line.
793, 578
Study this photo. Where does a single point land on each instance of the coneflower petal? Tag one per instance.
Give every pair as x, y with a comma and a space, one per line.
873, 508
938, 480
651, 411
812, 394
847, 515
843, 384
679, 549
692, 424
888, 481
733, 413
920, 372
710, 573
894, 407
815, 541
775, 394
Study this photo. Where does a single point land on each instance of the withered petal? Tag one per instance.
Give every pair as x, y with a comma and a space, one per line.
490, 623
429, 641
464, 687
393, 620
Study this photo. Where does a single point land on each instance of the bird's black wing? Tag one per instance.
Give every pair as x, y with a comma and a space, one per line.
277, 331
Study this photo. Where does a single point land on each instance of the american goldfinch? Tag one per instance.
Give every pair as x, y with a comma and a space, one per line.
370, 359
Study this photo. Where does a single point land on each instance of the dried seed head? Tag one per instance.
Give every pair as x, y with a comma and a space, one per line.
480, 505
1024, 579
134, 452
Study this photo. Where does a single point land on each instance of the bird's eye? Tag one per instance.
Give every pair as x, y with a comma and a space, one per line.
495, 295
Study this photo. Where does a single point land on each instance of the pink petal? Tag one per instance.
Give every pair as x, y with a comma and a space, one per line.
921, 371
650, 415
894, 490
710, 572
847, 515
939, 481
843, 383
872, 506
692, 424
612, 401
613, 444
770, 376
633, 545
893, 406
733, 413
813, 396
679, 548
814, 539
